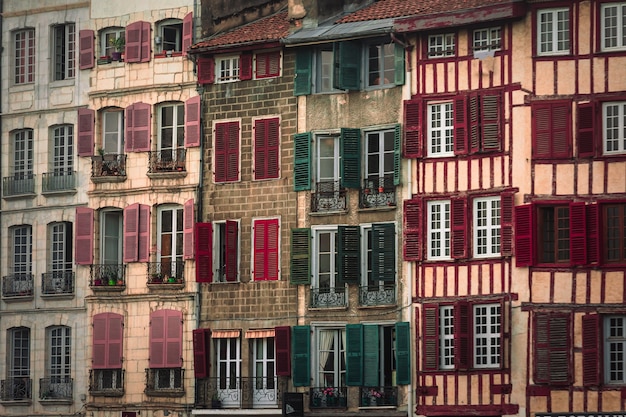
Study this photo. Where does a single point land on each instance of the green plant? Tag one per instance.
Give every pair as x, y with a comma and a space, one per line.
118, 43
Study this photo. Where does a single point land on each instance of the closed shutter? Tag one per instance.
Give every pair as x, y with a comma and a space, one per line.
107, 341
473, 122
562, 130
462, 342
187, 32
371, 355
227, 151
302, 80
188, 225
403, 353
347, 64
141, 127
430, 337
460, 125
143, 238
99, 341
507, 203
552, 347
86, 127
268, 65
412, 230
384, 252
459, 227
348, 254
266, 250
354, 355
83, 238
551, 129
146, 49
86, 56
300, 264
266, 148
204, 252
173, 339
593, 233
133, 42
282, 344
397, 154
192, 122
157, 339
541, 121
591, 326
245, 66
302, 161
201, 353
399, 71
351, 158
577, 234
131, 232
301, 349
232, 250
524, 235
413, 142
205, 70
490, 111
586, 130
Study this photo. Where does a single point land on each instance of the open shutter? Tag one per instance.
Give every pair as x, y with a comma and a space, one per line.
86, 127
462, 344
204, 252
371, 352
585, 129
413, 142
541, 135
384, 252
115, 338
282, 345
131, 232
403, 353
157, 339
490, 110
192, 122
143, 240
87, 51
577, 234
173, 339
99, 341
552, 346
354, 355
430, 337
188, 224
399, 71
300, 256
507, 202
245, 66
187, 32
593, 233
302, 161
591, 324
141, 127
349, 254
397, 154
265, 250
301, 349
473, 121
460, 125
83, 238
232, 239
128, 128
132, 52
524, 227
304, 65
201, 353
347, 64
205, 70
459, 227
351, 158
412, 230
146, 44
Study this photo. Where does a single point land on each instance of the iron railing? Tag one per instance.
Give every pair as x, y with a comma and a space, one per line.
108, 165
328, 397
171, 160
329, 297
377, 294
378, 192
57, 282
16, 389
56, 388
165, 381
328, 196
106, 382
108, 275
17, 285
240, 392
166, 272
58, 181
378, 396
19, 184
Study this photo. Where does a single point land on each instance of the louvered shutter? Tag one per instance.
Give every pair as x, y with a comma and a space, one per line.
300, 264
347, 64
351, 158
524, 236
490, 110
266, 250
201, 353
384, 252
413, 143
132, 51
462, 342
221, 151
131, 232
585, 129
232, 247
412, 230
473, 121
141, 127
302, 161
403, 353
245, 66
188, 225
591, 326
507, 203
399, 71
577, 234
303, 70
282, 344
551, 129
99, 341
562, 130
115, 340
541, 121
397, 154
460, 125
205, 70
143, 239
301, 350
204, 252
232, 161
593, 233
192, 122
146, 49
268, 65
86, 128
348, 258
86, 55
354, 355
430, 337
371, 355
128, 128
552, 347
266, 148
187, 32
227, 151
459, 228
173, 339
158, 339
84, 235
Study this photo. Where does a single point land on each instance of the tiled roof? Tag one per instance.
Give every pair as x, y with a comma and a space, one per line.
267, 29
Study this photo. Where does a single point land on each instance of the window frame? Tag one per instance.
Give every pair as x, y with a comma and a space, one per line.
24, 55
323, 61
19, 353
490, 42
62, 149
607, 341
620, 227
226, 381
620, 29
222, 156
63, 48
492, 230
114, 137
387, 61
23, 155
554, 42
59, 354
339, 357
446, 240
443, 48
223, 231
447, 141
105, 35
620, 128
227, 73
60, 248
22, 259
490, 344
176, 260
176, 25
177, 128
333, 272
104, 213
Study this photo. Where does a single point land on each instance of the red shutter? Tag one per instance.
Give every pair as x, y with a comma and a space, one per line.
524, 227
551, 129
188, 224
86, 127
227, 151
266, 250
490, 111
430, 337
591, 325
459, 227
86, 46
221, 151
413, 142
232, 164
84, 235
273, 148
141, 127
593, 234
173, 339
268, 64
115, 338
132, 52
143, 252
245, 66
507, 203
187, 32
412, 230
282, 341
146, 42
232, 238
577, 234
99, 341
201, 358
192, 122
129, 146
541, 122
541, 352
266, 148
206, 70
460, 125
157, 339
131, 232
462, 346
473, 119
585, 129
107, 341
204, 252
562, 130
552, 348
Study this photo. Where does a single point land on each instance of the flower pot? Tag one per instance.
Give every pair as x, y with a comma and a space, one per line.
112, 281
116, 56
381, 190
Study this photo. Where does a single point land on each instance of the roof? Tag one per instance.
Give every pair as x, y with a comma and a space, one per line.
340, 31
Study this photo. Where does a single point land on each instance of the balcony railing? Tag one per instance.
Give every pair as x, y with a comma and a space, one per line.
19, 184
171, 160
328, 397
329, 297
108, 276
167, 382
377, 294
378, 192
328, 196
106, 382
240, 392
17, 285
378, 396
56, 388
16, 389
58, 181
166, 273
108, 166
57, 282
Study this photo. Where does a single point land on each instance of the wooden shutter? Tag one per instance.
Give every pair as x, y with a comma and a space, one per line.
551, 129
132, 51
86, 128
143, 239
115, 338
351, 158
371, 355
99, 341
413, 141
282, 345
107, 341
303, 70
347, 64
593, 233
348, 254
562, 130
232, 247
430, 337
83, 239
384, 252
552, 347
267, 64
128, 128
397, 154
192, 122
187, 32
146, 42
459, 228
354, 355
173, 339
473, 122
86, 55
541, 121
140, 129
131, 232
205, 70
586, 129
462, 342
201, 353
226, 151
157, 357
266, 250
300, 264
399, 71
507, 203
301, 348
591, 326
491, 122
245, 66
577, 234
266, 148
302, 161
524, 235
188, 225
460, 125
412, 230
403, 353
204, 252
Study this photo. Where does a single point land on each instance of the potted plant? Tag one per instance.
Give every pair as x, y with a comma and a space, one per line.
118, 44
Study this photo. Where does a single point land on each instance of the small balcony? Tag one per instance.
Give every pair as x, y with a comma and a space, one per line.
17, 286
328, 397
165, 382
57, 283
377, 294
16, 389
108, 277
106, 382
56, 388
329, 297
58, 182
240, 392
18, 185
378, 192
328, 196
165, 275
167, 161
108, 168
378, 396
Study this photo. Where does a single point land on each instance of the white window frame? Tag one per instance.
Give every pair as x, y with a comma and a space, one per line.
264, 370
487, 39
63, 51
23, 66
440, 129
219, 250
439, 230
62, 149
615, 131
384, 75
59, 248
59, 358
226, 381
324, 70
227, 69
487, 227
177, 131
446, 337
338, 374
333, 274
104, 215
366, 257
618, 26
176, 27
176, 236
19, 352
441, 45
383, 156
22, 251
335, 176
487, 329
614, 342
113, 139
108, 34
23, 154
548, 42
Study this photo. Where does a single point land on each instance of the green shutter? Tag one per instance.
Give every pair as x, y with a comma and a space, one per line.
354, 354
384, 252
399, 63
300, 256
351, 158
403, 353
302, 161
347, 62
301, 353
397, 154
348, 254
371, 352
304, 71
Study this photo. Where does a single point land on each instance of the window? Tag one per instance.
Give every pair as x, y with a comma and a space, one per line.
440, 129
552, 348
486, 227
24, 50
111, 221
380, 66
166, 337
441, 45
324, 70
266, 250
217, 251
613, 26
331, 357
487, 333
169, 36
59, 277
113, 131
381, 150
328, 160
325, 276
378, 264
488, 39
21, 262
170, 241
228, 356
18, 384
614, 347
553, 227
107, 40
227, 69
64, 51
267, 64
107, 348
552, 129
264, 370
267, 148
171, 140
226, 145
438, 230
63, 150
615, 232
614, 128
23, 154
553, 31
58, 382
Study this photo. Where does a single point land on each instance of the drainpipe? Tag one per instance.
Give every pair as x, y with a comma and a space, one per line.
1, 135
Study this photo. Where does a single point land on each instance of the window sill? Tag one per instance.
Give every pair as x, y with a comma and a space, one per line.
58, 192
166, 175
170, 392
108, 178
19, 196
327, 213
62, 83
54, 401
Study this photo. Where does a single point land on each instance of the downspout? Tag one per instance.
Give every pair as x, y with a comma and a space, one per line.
1, 134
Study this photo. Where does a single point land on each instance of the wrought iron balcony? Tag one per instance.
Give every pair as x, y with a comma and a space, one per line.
328, 196
166, 273
108, 277
18, 184
378, 396
165, 382
328, 397
106, 382
16, 389
377, 294
17, 285
378, 192
58, 181
57, 282
56, 388
171, 160
108, 166
242, 392
329, 297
